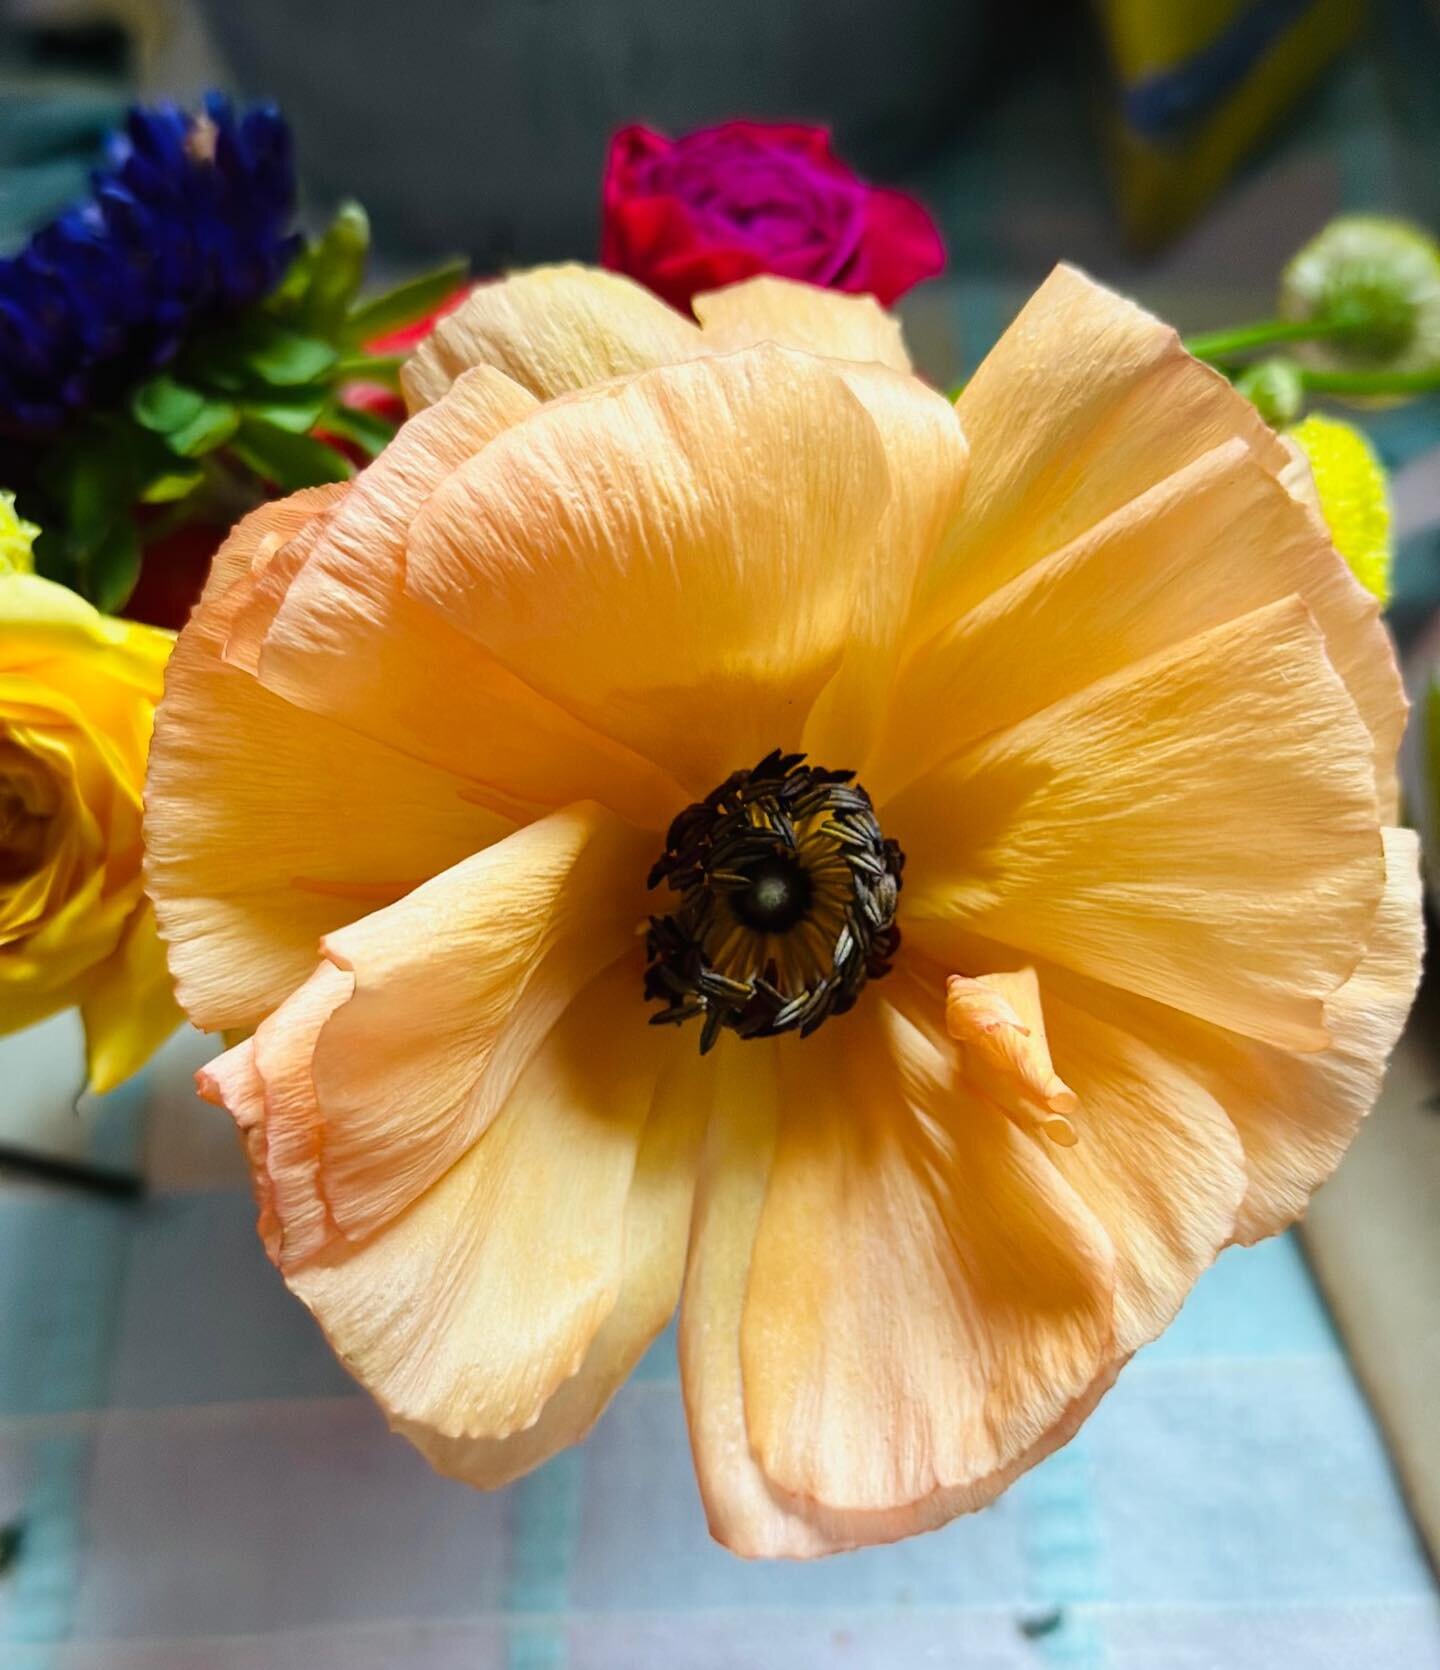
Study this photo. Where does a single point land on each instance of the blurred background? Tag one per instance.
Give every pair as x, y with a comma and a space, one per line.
187, 1480
1186, 145
481, 127
1181, 152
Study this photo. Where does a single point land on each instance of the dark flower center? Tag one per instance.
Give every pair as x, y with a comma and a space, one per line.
787, 894
26, 828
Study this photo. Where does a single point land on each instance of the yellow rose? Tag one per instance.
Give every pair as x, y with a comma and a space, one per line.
77, 699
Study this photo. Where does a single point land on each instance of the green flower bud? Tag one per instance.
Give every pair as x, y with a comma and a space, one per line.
1276, 387
1374, 285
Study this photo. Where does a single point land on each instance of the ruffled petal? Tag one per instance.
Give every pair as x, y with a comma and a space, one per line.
329, 627
998, 1022
366, 528
898, 1359
1201, 829
552, 330
926, 1297
804, 316
232, 1082
284, 1057
1295, 1115
928, 464
1084, 403
673, 525
465, 1315
1155, 1159
657, 1224
266, 825
452, 989
1215, 541
1146, 1147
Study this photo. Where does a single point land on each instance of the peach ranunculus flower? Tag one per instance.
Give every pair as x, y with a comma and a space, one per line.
77, 698
994, 804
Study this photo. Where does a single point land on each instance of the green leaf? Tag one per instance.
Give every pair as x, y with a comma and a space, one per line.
173, 485
213, 425
286, 358
55, 559
297, 414
93, 478
337, 268
290, 461
370, 368
114, 566
163, 405
285, 299
257, 355
367, 429
90, 485
406, 303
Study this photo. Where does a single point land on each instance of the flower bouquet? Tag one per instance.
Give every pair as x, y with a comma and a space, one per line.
705, 818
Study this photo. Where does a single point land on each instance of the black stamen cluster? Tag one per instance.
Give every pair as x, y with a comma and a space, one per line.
743, 838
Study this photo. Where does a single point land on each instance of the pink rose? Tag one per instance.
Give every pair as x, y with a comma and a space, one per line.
691, 214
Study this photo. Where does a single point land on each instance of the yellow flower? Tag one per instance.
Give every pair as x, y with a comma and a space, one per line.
17, 538
1070, 952
1347, 484
77, 698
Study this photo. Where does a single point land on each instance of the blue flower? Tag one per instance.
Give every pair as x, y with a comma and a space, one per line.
189, 221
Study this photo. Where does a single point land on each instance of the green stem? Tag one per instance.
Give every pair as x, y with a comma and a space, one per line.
1244, 339
1372, 382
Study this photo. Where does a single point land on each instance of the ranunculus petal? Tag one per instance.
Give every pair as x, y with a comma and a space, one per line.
255, 540
926, 1296
1294, 1140
657, 1225
267, 1085
1154, 1158
735, 1164
902, 1357
803, 316
1216, 540
1148, 1149
466, 1314
284, 1058
928, 464
454, 987
1200, 828
233, 1082
366, 528
552, 330
1084, 403
1296, 1114
671, 524
267, 825
336, 633
998, 1022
